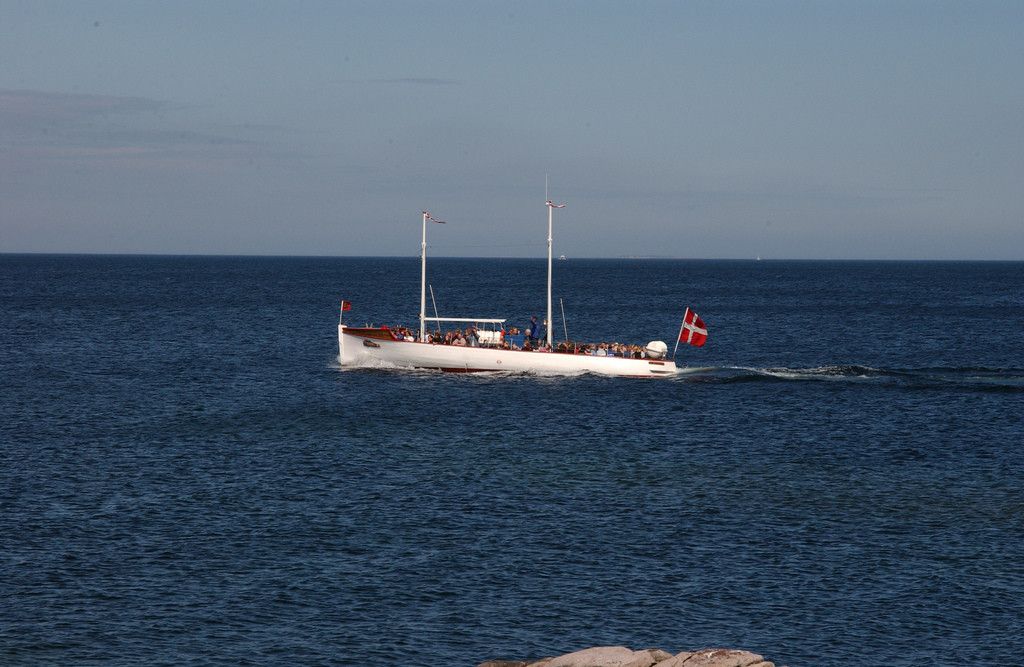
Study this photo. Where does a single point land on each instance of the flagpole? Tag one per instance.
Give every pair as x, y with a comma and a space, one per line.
679, 337
423, 280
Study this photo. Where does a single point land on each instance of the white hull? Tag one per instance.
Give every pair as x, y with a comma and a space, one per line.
360, 346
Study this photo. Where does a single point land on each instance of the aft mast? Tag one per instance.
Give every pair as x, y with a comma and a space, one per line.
423, 276
551, 208
423, 280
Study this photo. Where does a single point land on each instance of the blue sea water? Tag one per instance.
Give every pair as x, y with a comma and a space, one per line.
188, 477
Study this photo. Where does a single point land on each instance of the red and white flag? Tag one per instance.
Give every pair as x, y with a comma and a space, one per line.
555, 205
693, 330
429, 218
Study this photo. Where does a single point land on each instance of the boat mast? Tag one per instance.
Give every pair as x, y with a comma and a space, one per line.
423, 280
551, 208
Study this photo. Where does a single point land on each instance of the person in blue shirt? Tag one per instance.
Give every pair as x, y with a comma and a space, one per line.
533, 331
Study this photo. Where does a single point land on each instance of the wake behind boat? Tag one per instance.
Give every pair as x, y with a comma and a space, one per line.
493, 349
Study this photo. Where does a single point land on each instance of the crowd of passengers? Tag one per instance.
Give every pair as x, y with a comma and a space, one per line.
470, 338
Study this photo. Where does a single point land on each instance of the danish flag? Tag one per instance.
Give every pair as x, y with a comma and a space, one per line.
555, 205
430, 218
693, 330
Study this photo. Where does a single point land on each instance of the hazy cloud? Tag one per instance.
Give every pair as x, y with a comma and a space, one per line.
426, 81
37, 108
80, 126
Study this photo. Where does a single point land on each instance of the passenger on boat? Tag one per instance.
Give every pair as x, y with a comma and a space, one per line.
533, 330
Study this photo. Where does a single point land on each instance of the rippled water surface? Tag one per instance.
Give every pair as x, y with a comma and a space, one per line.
188, 476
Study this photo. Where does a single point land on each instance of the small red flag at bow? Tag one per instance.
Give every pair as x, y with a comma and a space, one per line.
346, 305
693, 332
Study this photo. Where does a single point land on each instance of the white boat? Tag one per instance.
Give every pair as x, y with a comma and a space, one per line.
391, 347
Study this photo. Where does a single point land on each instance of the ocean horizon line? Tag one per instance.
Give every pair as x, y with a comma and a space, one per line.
509, 257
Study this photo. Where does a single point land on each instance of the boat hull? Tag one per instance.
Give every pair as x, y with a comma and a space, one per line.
368, 346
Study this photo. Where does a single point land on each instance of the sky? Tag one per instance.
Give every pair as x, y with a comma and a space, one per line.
707, 129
